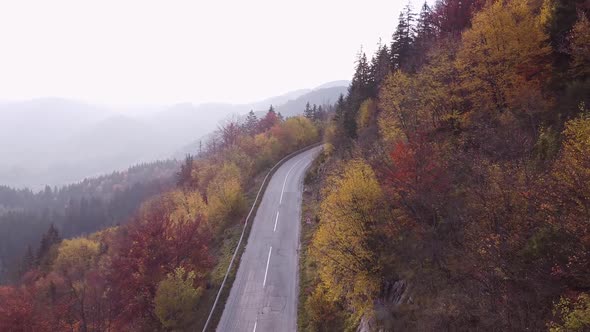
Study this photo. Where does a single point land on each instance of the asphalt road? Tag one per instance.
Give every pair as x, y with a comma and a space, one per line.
264, 294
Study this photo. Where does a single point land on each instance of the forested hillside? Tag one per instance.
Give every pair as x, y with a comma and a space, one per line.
454, 192
161, 269
72, 210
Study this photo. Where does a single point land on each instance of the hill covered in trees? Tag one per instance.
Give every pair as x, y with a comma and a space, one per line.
162, 268
72, 210
452, 194
455, 189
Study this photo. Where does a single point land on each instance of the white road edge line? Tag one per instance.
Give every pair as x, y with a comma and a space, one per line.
255, 322
267, 261
286, 177
278, 164
276, 221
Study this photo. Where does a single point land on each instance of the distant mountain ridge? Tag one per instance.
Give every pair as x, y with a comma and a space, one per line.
294, 104
321, 96
344, 83
55, 141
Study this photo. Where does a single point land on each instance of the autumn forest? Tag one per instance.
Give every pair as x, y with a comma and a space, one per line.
455, 184
452, 194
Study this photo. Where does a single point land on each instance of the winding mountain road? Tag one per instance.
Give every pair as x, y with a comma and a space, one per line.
264, 294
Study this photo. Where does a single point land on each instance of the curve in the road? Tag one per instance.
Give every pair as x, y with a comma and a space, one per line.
263, 296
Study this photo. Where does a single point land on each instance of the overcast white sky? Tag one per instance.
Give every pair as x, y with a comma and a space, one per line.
142, 52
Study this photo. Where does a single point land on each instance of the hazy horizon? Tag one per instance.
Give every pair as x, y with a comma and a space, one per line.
134, 108
56, 141
88, 88
139, 53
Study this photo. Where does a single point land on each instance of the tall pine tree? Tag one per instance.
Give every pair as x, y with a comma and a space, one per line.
339, 109
360, 87
44, 253
308, 112
402, 41
426, 30
183, 176
320, 113
28, 261
380, 68
250, 125
358, 91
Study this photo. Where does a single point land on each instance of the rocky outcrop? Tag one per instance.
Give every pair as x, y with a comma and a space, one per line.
394, 294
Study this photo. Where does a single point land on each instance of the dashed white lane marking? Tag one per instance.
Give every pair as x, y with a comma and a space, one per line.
286, 177
255, 323
276, 221
266, 271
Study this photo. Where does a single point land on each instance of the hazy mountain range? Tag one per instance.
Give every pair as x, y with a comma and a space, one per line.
52, 141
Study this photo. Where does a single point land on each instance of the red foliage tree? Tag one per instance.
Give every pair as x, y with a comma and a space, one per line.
268, 121
417, 176
16, 310
452, 16
152, 246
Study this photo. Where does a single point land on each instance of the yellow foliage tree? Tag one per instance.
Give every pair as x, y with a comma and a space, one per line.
440, 86
225, 197
176, 300
504, 56
322, 314
238, 156
367, 112
76, 256
580, 48
399, 101
571, 192
268, 147
345, 244
297, 132
185, 207
180, 207
574, 314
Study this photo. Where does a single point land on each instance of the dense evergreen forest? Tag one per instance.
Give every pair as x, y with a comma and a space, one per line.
72, 210
455, 187
161, 269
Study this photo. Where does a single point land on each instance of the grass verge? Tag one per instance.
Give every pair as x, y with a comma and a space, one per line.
226, 250
308, 274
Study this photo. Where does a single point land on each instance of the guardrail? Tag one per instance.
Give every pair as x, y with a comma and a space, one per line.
254, 205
